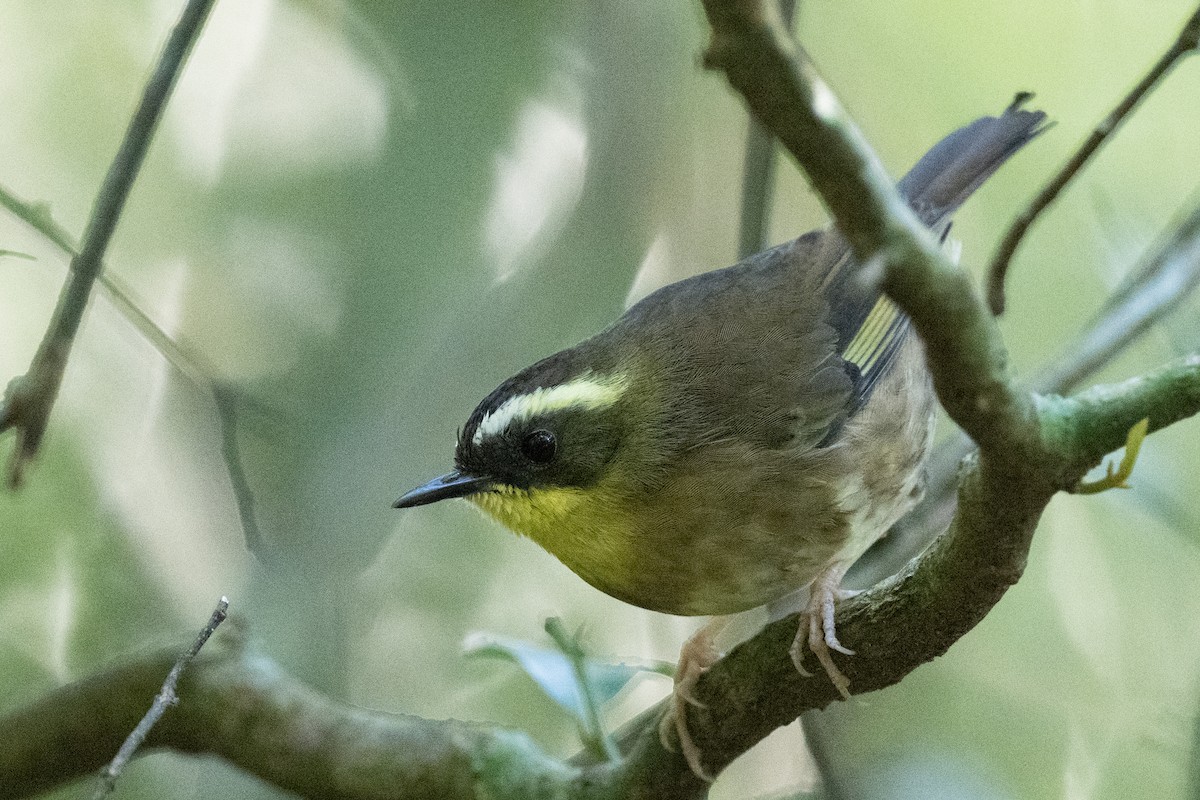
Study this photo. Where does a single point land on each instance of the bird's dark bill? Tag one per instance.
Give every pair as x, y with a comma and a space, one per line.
453, 484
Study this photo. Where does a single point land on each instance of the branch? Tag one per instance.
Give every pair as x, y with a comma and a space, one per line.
1083, 428
29, 399
966, 355
37, 216
1030, 448
1185, 43
243, 708
177, 353
1168, 275
917, 614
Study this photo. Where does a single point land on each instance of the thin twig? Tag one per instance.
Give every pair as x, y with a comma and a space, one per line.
1187, 42
190, 363
37, 216
758, 173
1167, 276
165, 698
30, 398
758, 181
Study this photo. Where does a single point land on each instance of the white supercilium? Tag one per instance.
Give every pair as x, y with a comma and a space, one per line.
582, 392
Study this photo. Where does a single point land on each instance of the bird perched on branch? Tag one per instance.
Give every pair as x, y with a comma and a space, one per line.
733, 437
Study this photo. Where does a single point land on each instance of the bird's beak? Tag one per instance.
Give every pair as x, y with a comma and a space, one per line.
452, 484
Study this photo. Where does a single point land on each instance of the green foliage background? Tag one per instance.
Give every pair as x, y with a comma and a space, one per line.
366, 215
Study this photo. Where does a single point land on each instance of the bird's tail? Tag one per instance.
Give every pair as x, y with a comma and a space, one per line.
957, 165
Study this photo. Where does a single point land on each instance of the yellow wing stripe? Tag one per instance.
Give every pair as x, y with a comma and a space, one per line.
868, 334
877, 332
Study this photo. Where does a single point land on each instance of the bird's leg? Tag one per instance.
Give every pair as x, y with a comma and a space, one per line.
817, 629
698, 653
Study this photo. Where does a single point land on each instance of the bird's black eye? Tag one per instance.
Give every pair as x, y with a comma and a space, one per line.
539, 446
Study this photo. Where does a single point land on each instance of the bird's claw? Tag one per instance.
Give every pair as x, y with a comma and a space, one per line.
819, 632
697, 655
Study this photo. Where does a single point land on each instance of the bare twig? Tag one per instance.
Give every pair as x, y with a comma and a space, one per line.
193, 366
1185, 43
165, 698
178, 353
239, 705
29, 399
1167, 275
226, 402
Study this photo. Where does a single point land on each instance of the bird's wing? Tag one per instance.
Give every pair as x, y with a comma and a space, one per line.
871, 329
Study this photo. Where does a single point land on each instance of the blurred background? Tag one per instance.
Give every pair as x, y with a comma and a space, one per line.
363, 216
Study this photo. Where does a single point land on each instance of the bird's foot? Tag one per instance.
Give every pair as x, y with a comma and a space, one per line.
817, 629
698, 654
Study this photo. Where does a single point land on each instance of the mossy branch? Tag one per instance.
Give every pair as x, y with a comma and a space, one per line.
1169, 272
240, 706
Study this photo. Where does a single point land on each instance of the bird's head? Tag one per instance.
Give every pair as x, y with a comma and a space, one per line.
535, 452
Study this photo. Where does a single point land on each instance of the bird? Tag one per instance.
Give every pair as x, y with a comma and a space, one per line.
734, 437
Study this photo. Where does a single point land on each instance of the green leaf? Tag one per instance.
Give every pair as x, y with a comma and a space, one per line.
551, 669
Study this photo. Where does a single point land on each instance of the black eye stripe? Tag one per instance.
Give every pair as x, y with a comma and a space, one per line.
539, 446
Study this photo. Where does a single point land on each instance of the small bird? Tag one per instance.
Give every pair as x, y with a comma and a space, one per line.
733, 437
